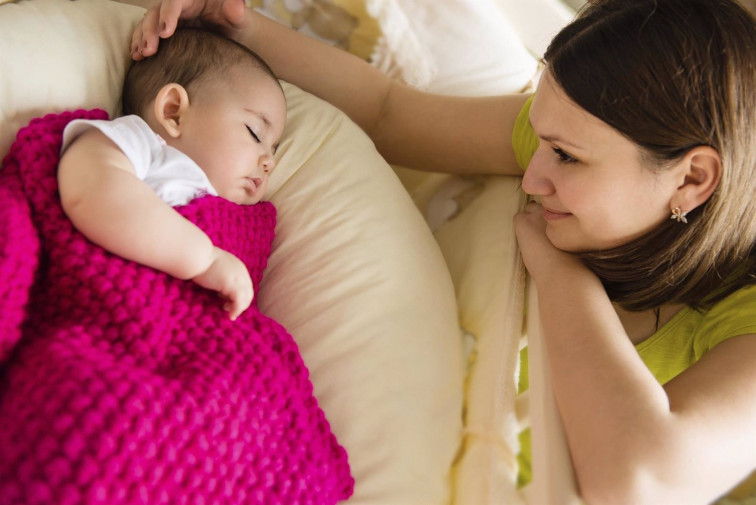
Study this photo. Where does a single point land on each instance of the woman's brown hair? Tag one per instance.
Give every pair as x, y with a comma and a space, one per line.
671, 75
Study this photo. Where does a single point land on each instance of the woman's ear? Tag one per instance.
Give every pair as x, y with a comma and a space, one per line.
701, 172
170, 103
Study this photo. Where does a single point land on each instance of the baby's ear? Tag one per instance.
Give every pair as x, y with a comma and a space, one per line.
170, 103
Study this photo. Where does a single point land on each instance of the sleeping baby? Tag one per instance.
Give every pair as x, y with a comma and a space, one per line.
206, 116
131, 384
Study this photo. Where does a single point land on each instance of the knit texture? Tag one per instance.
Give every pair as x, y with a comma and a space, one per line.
123, 385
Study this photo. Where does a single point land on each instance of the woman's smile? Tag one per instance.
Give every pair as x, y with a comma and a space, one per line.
554, 215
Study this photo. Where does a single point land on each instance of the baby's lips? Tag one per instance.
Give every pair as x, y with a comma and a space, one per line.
252, 183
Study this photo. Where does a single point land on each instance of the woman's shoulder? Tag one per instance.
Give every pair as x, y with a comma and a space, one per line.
732, 316
691, 333
524, 139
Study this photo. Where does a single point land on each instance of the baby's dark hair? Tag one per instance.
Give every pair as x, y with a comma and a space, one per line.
190, 57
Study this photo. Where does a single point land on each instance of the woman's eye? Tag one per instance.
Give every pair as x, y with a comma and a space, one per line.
563, 156
254, 135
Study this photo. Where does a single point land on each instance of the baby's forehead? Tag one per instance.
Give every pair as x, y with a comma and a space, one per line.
251, 69
244, 76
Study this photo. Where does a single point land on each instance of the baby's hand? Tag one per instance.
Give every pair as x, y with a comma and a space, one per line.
229, 277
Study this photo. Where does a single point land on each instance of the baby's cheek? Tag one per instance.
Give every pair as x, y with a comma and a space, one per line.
263, 189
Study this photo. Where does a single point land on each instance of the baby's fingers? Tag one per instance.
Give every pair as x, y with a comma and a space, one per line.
238, 303
233, 310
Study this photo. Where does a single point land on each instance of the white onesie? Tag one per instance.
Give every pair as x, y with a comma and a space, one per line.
175, 177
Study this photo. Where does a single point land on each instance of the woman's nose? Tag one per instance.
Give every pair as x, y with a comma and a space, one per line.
536, 180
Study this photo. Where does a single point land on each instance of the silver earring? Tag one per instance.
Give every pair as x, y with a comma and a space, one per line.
678, 215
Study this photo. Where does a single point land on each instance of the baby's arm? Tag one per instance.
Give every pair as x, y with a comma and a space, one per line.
104, 199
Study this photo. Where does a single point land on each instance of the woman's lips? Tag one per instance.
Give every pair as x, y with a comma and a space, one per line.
553, 215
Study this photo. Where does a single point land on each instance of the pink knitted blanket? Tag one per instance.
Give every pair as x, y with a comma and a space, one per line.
122, 385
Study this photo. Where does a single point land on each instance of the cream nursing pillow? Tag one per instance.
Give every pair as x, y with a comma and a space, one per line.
357, 278
355, 274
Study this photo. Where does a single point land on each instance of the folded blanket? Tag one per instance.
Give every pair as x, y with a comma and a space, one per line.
122, 385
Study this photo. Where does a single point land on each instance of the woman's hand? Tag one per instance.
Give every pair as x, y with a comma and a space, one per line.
161, 19
541, 258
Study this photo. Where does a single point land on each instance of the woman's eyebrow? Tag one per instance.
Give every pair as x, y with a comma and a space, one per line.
553, 138
559, 140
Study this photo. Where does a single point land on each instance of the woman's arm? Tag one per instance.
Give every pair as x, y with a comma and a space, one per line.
409, 127
632, 440
107, 203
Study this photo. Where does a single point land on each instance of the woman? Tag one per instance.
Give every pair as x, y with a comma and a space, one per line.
641, 243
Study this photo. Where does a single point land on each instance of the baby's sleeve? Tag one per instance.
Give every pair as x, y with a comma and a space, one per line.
524, 139
129, 133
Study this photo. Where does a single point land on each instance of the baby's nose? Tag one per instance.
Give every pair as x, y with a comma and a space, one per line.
267, 162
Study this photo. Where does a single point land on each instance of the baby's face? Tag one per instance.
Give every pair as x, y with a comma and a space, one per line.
232, 129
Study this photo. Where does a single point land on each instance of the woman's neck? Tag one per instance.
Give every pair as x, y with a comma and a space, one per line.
641, 325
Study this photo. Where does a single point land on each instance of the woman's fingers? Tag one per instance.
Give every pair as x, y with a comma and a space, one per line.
161, 20
136, 42
171, 11
233, 10
145, 39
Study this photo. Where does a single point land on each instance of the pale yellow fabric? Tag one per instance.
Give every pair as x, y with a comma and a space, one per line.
476, 236
464, 47
343, 23
78, 61
457, 47
482, 255
472, 221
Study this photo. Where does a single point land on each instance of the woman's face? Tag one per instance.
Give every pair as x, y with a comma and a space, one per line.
590, 180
